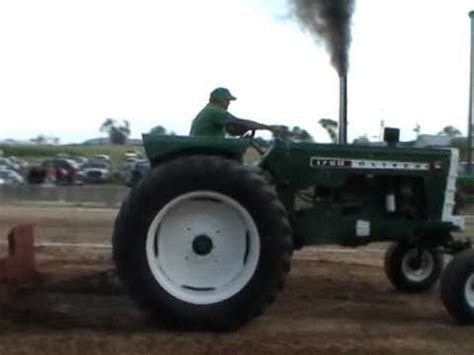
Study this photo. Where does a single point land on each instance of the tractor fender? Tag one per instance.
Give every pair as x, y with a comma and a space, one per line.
192, 151
163, 148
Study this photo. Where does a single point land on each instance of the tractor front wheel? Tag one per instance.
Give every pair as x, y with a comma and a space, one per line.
457, 287
412, 269
203, 243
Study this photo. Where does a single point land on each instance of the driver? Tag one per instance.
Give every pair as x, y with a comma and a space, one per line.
214, 119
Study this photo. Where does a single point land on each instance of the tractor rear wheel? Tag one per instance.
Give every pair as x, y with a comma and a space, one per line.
412, 269
202, 243
457, 287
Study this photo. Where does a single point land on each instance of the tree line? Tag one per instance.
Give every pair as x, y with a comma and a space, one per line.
119, 132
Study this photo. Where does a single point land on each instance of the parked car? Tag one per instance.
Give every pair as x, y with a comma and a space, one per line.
97, 172
136, 172
67, 171
7, 163
81, 161
20, 164
56, 170
101, 157
10, 177
130, 154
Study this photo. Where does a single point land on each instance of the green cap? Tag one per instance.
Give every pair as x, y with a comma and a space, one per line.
222, 93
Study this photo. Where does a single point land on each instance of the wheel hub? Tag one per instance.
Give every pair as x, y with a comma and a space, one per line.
417, 265
202, 245
469, 290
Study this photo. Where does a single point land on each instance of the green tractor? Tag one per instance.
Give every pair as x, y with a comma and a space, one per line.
205, 241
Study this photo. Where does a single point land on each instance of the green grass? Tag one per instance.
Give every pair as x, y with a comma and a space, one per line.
29, 152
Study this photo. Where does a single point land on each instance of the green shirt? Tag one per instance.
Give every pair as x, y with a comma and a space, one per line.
210, 122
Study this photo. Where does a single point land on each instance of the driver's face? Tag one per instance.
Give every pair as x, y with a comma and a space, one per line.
225, 103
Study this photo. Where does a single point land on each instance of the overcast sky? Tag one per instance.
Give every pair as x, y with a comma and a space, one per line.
66, 66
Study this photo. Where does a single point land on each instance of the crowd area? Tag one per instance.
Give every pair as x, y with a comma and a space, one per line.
73, 170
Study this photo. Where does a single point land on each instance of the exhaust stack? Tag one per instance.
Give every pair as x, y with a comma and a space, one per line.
342, 139
329, 21
471, 100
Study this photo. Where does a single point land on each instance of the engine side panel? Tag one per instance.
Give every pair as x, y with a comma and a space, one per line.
355, 194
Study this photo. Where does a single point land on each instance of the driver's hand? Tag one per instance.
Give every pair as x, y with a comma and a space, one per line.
235, 129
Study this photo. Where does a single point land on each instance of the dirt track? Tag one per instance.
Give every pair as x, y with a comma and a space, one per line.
335, 301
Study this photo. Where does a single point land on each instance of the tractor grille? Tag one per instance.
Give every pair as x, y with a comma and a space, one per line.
450, 192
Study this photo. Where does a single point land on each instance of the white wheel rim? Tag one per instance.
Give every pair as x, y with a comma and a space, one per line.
203, 247
469, 290
417, 265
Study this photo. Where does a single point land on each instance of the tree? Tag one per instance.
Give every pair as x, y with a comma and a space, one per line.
43, 139
283, 132
118, 133
39, 139
362, 140
162, 131
294, 134
417, 130
331, 127
300, 134
450, 131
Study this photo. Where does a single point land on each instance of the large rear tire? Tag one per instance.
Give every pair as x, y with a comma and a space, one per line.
457, 287
412, 269
202, 243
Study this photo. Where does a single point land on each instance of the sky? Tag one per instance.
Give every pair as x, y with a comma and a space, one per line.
67, 65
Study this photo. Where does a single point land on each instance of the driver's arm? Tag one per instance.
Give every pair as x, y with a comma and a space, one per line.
238, 126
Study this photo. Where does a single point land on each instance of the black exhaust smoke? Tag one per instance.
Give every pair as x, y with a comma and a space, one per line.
329, 21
